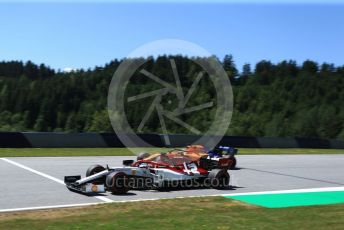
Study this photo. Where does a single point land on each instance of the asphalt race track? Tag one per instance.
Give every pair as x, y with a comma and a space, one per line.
37, 182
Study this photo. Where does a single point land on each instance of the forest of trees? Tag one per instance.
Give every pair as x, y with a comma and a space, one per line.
270, 99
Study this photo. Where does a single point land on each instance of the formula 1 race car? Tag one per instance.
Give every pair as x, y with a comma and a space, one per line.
224, 152
220, 156
158, 171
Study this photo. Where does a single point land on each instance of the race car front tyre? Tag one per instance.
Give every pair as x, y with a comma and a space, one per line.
218, 178
94, 169
233, 165
117, 183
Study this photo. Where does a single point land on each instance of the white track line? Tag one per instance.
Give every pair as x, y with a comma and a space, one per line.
102, 198
33, 171
48, 207
325, 189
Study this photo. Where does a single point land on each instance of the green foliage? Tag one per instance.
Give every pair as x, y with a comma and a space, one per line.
281, 99
100, 122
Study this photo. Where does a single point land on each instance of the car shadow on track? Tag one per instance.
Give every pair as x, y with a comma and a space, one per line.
236, 168
106, 194
166, 190
229, 188
126, 194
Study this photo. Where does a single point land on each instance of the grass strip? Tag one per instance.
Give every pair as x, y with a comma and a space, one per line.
187, 213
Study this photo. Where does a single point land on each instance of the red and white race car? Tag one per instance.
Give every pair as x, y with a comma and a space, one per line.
175, 169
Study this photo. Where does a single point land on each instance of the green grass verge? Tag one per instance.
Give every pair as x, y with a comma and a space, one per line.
188, 213
65, 152
61, 152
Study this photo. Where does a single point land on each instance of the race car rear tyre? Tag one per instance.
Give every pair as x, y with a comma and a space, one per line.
142, 156
117, 183
219, 178
94, 169
233, 165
